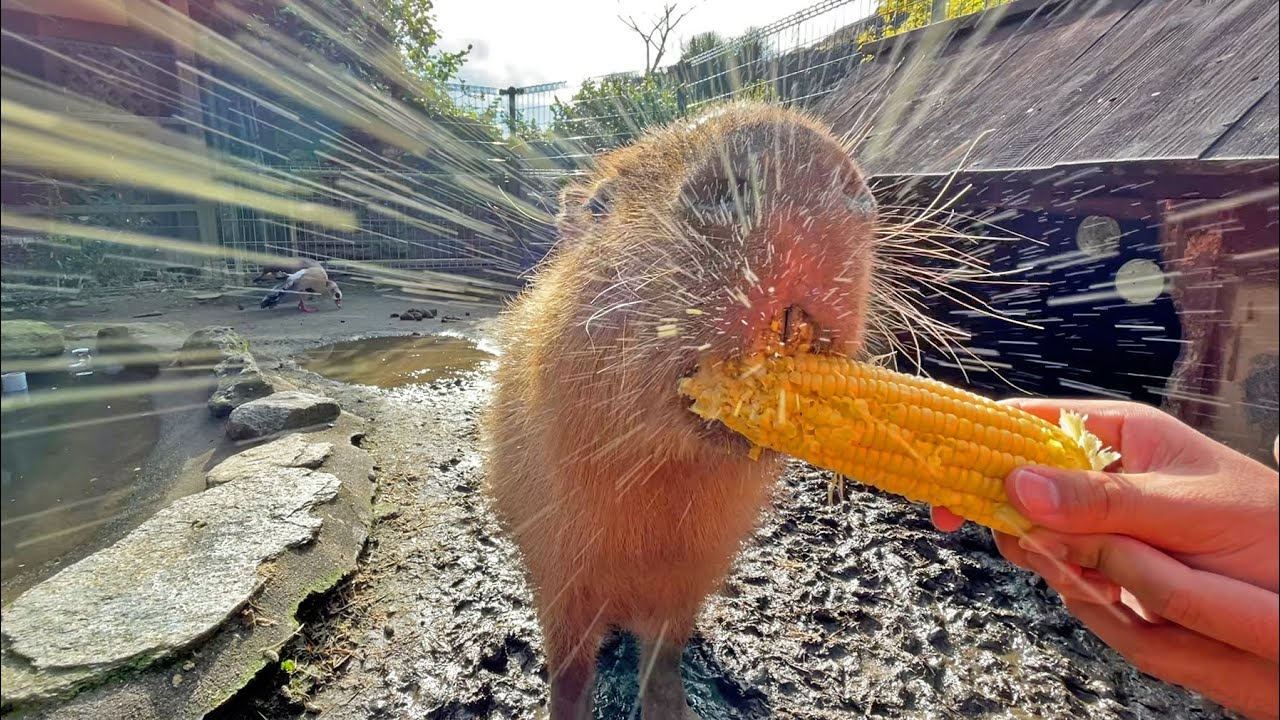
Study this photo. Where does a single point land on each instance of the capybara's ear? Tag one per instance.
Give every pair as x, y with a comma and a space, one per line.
583, 204
574, 196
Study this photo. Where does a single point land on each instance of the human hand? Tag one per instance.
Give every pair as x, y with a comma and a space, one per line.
1173, 563
1208, 506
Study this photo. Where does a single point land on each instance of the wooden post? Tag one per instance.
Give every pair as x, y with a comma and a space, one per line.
192, 110
939, 11
1192, 248
511, 94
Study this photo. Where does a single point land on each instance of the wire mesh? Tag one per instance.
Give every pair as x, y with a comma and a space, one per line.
484, 204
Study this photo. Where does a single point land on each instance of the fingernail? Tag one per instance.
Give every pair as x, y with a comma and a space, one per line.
1037, 493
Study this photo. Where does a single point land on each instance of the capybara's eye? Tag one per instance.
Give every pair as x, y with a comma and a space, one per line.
598, 205
858, 198
724, 201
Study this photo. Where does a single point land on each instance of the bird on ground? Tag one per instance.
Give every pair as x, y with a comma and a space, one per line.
305, 283
285, 267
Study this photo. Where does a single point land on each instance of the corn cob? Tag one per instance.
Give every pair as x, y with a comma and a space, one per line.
907, 435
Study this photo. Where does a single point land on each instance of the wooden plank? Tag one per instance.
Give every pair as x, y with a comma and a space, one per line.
192, 109
1124, 190
1196, 95
928, 117
1106, 76
1023, 103
1015, 102
1255, 134
850, 109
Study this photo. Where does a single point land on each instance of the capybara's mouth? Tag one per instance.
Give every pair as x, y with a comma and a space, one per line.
719, 434
790, 331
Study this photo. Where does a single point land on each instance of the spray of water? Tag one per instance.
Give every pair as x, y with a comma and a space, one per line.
665, 292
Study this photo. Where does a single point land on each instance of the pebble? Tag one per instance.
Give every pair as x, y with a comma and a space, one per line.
177, 679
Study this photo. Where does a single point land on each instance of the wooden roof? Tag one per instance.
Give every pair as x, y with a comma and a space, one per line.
1039, 84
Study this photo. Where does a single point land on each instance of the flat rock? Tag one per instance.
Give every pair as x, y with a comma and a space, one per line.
217, 665
291, 451
164, 586
279, 412
24, 339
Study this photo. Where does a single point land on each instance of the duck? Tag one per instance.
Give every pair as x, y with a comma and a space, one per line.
306, 282
283, 268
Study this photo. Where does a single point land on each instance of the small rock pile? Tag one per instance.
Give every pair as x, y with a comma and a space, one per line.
416, 314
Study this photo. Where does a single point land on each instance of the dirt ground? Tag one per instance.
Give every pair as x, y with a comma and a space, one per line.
852, 609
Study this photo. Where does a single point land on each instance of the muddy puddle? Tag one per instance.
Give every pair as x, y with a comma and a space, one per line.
397, 361
69, 467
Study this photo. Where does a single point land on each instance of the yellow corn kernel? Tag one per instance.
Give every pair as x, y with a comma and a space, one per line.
911, 436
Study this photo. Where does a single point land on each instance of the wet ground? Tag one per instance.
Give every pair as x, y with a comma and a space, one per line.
854, 608
85, 459
66, 470
395, 361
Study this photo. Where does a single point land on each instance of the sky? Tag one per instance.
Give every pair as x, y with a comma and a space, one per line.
533, 42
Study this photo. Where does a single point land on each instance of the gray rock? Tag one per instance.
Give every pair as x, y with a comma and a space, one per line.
164, 586
147, 337
221, 663
138, 346
291, 451
282, 411
215, 345
237, 389
24, 339
224, 352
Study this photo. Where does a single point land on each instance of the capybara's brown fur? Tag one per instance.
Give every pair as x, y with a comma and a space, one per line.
628, 508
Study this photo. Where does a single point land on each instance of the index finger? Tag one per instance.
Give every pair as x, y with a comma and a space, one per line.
1118, 424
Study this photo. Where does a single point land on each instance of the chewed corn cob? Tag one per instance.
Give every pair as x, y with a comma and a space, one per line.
911, 436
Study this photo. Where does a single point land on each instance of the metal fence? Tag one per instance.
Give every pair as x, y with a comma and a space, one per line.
426, 223
795, 60
429, 210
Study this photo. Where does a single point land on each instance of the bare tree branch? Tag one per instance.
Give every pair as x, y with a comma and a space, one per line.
666, 27
662, 27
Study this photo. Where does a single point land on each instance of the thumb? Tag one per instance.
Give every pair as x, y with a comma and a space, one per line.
1082, 501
